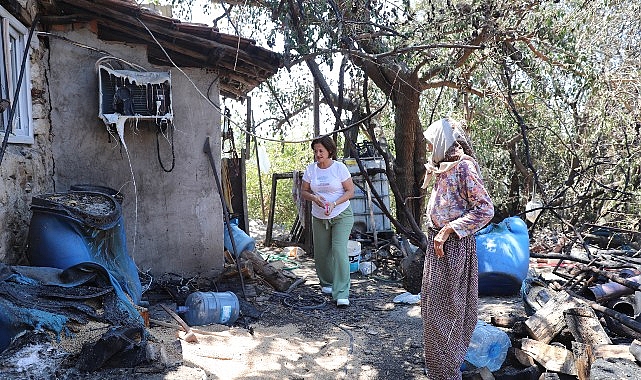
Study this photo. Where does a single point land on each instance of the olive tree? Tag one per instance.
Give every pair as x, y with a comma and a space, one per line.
542, 85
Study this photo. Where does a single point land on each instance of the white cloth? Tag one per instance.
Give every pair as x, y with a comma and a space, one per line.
441, 134
327, 183
297, 194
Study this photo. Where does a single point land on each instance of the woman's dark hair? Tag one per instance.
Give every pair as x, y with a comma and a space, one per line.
328, 143
450, 154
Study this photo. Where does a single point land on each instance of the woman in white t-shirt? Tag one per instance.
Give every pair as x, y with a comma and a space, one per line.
328, 185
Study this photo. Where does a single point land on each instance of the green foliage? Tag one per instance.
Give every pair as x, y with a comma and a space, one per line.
562, 76
284, 158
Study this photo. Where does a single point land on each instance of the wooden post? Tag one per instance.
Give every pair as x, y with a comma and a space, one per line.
248, 124
272, 208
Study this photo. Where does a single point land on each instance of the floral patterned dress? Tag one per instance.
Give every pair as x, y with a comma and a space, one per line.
449, 292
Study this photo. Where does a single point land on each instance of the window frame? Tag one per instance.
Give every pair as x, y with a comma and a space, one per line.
14, 35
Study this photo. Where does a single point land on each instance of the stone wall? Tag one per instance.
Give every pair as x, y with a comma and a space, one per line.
26, 169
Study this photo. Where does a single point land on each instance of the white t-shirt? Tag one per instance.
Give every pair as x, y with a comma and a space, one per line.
327, 183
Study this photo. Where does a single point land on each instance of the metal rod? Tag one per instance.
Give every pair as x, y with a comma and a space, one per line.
260, 179
207, 150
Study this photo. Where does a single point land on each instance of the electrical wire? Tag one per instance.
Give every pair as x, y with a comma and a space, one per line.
241, 128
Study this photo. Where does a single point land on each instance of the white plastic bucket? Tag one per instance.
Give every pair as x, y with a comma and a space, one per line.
354, 254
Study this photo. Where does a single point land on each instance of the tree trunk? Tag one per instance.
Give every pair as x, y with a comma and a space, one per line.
410, 150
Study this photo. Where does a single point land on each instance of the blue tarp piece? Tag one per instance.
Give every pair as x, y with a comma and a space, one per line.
82, 226
36, 298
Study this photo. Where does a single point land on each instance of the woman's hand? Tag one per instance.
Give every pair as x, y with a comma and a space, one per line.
440, 238
329, 207
319, 200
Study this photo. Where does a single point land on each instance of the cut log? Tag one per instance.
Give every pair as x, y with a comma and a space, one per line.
609, 351
585, 327
246, 267
553, 358
280, 280
549, 320
522, 357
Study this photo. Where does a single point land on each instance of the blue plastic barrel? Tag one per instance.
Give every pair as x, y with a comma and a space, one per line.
503, 251
67, 229
242, 241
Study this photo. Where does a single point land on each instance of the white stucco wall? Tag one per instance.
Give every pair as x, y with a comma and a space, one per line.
173, 220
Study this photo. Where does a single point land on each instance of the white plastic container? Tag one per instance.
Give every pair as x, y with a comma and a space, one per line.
361, 207
354, 253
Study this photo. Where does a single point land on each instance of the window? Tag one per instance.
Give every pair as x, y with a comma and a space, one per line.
14, 37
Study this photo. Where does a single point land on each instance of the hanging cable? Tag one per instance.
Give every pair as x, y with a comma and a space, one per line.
218, 108
170, 132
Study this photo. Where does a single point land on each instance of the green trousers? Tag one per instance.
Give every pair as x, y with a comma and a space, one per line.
330, 251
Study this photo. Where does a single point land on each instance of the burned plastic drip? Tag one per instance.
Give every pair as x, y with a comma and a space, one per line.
122, 102
157, 99
79, 227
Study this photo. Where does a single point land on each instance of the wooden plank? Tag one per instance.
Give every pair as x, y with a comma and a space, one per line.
549, 320
585, 327
553, 358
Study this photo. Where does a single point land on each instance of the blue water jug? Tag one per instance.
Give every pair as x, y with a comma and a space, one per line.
503, 252
488, 347
206, 308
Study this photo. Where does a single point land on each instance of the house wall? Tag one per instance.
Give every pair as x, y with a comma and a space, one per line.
173, 220
26, 169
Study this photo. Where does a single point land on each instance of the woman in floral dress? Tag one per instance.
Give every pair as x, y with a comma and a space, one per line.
459, 205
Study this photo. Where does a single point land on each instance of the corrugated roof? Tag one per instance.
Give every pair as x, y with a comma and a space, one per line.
241, 64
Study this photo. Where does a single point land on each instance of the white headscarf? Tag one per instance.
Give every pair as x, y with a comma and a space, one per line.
442, 134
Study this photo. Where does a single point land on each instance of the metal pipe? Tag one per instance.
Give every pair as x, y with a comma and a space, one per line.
611, 290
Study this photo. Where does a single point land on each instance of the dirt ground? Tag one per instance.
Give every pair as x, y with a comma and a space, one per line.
295, 335
303, 335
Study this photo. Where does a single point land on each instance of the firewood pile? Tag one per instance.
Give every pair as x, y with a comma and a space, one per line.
583, 315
